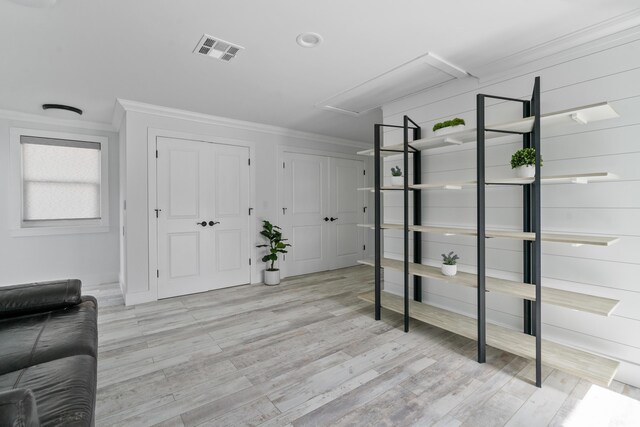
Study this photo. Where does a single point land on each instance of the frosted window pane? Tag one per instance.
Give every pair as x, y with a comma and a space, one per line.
60, 181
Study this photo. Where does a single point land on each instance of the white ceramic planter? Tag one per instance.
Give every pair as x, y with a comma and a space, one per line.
449, 270
526, 171
397, 180
448, 130
271, 277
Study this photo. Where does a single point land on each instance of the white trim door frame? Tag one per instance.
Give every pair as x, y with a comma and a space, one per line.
152, 135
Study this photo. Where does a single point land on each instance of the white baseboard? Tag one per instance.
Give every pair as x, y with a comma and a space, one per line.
135, 298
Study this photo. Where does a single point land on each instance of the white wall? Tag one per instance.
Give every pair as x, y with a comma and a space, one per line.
93, 258
267, 142
612, 208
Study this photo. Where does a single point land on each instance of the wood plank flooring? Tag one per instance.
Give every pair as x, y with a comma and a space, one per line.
308, 353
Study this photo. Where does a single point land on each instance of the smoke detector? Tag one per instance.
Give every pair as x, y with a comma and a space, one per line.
217, 48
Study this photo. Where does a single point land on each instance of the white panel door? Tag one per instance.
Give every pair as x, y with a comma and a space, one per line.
346, 211
322, 208
184, 247
231, 212
305, 210
201, 183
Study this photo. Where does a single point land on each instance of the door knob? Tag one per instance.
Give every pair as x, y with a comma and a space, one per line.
333, 219
326, 218
212, 223
203, 223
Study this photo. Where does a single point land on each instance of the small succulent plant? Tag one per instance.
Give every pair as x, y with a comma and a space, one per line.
396, 171
448, 123
450, 258
523, 157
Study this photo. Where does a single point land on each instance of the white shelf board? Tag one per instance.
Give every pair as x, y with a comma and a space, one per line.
579, 115
567, 299
576, 178
573, 239
596, 369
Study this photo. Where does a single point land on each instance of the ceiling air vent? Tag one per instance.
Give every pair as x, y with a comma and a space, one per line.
217, 48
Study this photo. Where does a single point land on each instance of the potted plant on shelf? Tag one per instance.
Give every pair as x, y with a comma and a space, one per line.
524, 162
276, 246
449, 264
448, 126
396, 176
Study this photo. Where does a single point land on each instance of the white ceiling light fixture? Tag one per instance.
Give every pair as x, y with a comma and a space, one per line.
419, 74
216, 48
35, 3
309, 39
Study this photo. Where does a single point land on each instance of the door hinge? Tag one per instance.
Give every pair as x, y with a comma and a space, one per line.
123, 231
364, 172
364, 247
364, 209
157, 212
249, 261
157, 273
250, 209
283, 165
249, 162
156, 154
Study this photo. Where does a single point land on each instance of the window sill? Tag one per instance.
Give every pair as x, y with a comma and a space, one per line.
53, 231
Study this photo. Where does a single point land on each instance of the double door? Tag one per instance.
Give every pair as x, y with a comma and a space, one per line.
321, 212
203, 216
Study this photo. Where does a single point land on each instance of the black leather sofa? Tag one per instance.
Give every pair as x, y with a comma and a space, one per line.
48, 355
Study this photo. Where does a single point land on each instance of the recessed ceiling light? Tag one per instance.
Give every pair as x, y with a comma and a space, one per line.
309, 39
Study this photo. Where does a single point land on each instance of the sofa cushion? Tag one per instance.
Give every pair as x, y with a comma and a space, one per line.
64, 389
19, 300
18, 408
38, 338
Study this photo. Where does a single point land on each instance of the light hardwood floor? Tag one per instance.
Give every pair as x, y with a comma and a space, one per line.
308, 353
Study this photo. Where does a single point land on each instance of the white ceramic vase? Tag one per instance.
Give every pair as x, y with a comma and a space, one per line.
397, 180
448, 130
449, 270
271, 277
526, 171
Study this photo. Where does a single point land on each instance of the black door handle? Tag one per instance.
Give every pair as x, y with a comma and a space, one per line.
203, 223
326, 218
333, 219
212, 223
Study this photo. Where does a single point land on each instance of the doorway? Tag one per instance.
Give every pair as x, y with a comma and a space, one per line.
202, 217
321, 212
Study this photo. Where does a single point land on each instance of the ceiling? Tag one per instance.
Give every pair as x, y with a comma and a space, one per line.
88, 53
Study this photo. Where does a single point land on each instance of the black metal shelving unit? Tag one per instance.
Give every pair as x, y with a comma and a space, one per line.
409, 127
531, 220
596, 368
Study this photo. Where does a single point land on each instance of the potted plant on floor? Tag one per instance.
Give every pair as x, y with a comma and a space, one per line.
396, 176
524, 162
276, 246
449, 264
448, 126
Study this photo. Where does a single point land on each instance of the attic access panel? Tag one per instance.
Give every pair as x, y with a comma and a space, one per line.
422, 73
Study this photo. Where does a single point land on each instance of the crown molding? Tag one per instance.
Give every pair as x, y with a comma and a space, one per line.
605, 34
54, 121
123, 106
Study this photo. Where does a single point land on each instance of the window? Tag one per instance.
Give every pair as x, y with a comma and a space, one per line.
62, 182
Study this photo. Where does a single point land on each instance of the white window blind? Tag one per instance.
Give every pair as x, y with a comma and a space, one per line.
60, 179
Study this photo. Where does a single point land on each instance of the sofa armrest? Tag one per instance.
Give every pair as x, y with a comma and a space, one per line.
30, 298
18, 408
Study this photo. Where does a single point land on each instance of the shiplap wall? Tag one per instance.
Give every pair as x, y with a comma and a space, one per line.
611, 208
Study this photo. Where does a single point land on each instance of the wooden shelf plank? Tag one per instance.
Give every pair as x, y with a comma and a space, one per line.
567, 299
584, 114
573, 239
596, 369
577, 178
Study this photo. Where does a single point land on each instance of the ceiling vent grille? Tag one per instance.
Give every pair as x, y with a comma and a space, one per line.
217, 48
